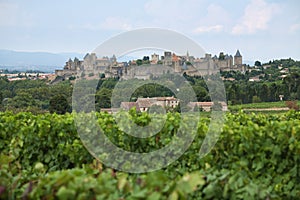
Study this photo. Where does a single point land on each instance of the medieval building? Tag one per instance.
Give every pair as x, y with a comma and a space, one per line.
110, 67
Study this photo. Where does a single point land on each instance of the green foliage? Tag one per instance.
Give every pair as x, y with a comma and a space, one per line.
91, 74
36, 94
159, 62
279, 104
101, 75
256, 99
1, 98
22, 100
256, 157
72, 78
103, 98
139, 62
272, 82
284, 62
151, 90
59, 104
257, 63
31, 94
221, 56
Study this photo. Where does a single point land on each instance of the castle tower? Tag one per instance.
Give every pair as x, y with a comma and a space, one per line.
230, 61
167, 61
238, 60
113, 59
176, 63
154, 58
187, 56
68, 64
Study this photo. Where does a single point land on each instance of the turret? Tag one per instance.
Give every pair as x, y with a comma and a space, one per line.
238, 58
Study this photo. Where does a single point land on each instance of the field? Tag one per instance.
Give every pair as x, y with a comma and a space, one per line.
263, 108
278, 104
256, 157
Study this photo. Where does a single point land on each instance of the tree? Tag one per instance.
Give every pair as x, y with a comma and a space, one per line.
146, 58
22, 100
103, 98
159, 62
1, 97
59, 104
221, 56
102, 75
200, 92
298, 92
109, 83
256, 99
139, 62
264, 92
273, 92
233, 94
257, 63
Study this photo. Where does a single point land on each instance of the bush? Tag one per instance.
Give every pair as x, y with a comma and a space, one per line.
59, 104
292, 105
256, 157
256, 99
72, 78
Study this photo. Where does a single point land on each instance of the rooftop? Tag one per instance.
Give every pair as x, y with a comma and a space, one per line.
238, 54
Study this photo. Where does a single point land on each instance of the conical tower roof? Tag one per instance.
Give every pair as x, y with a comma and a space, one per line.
238, 54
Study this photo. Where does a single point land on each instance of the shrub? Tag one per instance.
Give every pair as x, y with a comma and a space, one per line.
292, 105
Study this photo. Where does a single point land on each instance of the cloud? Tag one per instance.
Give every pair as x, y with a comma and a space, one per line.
215, 19
205, 29
256, 17
294, 27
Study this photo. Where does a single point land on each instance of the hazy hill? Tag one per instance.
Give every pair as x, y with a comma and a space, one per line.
43, 61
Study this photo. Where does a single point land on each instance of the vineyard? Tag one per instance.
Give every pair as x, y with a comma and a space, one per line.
256, 157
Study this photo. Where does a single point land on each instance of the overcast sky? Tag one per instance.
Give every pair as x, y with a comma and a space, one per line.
260, 29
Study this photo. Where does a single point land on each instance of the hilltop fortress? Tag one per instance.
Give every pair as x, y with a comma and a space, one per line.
141, 68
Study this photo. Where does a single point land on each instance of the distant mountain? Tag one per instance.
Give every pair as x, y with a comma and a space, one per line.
43, 61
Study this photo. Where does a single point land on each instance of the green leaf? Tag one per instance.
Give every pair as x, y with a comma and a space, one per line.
154, 196
64, 193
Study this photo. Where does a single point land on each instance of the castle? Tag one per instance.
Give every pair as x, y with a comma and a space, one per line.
225, 62
90, 64
110, 67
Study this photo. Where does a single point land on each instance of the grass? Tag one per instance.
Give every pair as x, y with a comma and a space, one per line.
247, 107
269, 112
278, 104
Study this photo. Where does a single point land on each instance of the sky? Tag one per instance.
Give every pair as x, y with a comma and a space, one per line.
261, 29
